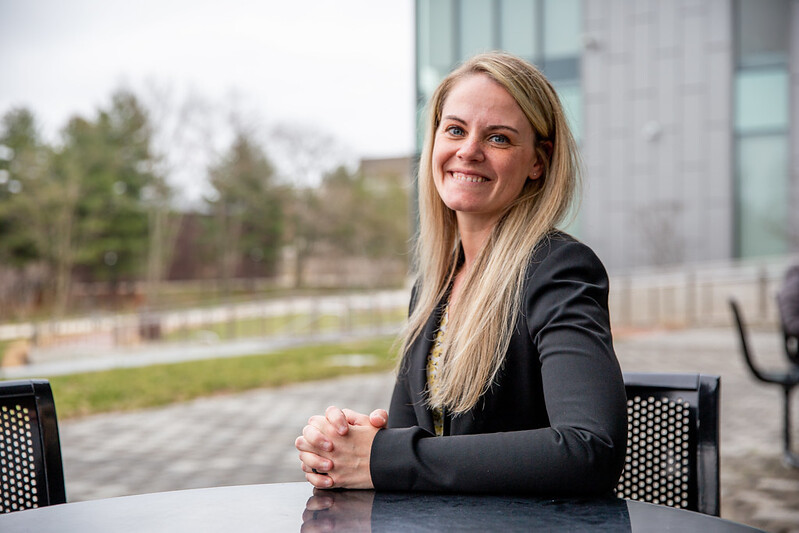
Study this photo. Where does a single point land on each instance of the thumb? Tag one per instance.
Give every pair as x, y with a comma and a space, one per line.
378, 418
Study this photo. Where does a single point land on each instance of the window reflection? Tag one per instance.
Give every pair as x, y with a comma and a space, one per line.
763, 30
761, 100
518, 21
762, 190
435, 44
761, 126
562, 28
476, 25
572, 101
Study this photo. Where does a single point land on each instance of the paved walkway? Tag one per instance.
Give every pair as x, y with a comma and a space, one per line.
248, 438
55, 362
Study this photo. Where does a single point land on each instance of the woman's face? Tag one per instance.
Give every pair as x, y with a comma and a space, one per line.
483, 151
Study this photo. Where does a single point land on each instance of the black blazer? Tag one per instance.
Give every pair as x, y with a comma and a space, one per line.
554, 421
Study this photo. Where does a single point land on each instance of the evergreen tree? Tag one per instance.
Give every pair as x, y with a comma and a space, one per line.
23, 163
247, 207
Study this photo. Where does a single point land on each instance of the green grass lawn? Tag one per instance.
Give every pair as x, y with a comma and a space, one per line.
135, 388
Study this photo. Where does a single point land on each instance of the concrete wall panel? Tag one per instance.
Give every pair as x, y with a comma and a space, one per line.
666, 78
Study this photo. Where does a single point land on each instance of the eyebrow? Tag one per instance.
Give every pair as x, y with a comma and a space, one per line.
492, 128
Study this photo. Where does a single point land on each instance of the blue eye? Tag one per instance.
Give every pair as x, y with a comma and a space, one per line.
454, 130
497, 138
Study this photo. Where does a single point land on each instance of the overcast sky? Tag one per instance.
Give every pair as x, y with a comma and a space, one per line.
342, 67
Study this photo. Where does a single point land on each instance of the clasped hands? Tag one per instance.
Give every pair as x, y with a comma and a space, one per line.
338, 445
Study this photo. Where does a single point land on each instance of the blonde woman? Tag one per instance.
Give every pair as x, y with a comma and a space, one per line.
509, 381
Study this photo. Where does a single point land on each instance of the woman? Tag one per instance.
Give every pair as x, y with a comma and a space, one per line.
509, 381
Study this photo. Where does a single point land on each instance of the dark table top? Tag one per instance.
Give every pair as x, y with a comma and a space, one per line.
297, 507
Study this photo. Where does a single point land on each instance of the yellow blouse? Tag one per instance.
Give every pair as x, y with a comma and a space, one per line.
433, 359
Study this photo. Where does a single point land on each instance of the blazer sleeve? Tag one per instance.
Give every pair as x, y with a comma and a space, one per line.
401, 412
582, 450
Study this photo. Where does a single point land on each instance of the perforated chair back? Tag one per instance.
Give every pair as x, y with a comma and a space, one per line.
31, 472
672, 441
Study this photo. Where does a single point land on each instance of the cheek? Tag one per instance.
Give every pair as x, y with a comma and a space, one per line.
526, 168
439, 160
444, 148
438, 182
436, 163
438, 155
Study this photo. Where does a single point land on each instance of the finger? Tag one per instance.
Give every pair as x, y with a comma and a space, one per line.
314, 464
378, 418
320, 481
308, 470
337, 418
321, 423
300, 443
314, 439
355, 418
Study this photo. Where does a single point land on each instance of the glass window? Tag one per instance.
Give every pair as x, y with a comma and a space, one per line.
517, 32
563, 69
562, 28
763, 31
435, 43
572, 223
442, 40
762, 195
761, 100
477, 24
572, 100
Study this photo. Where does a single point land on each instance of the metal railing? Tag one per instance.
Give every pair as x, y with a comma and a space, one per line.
305, 316
697, 296
678, 297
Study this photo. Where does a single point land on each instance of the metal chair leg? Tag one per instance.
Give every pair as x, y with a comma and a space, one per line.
789, 458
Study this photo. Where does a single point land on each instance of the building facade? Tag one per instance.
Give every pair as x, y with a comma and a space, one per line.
687, 114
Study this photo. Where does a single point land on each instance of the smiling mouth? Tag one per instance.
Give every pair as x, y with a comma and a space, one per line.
468, 178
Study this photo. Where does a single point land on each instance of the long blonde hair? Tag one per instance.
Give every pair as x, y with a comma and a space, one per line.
480, 327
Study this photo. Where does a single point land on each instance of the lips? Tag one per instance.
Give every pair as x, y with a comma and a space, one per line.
470, 178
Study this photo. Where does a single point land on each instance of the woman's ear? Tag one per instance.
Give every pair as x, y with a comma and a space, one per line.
538, 167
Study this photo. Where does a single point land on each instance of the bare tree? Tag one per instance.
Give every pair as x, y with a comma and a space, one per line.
182, 138
303, 156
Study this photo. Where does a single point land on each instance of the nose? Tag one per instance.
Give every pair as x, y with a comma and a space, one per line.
470, 150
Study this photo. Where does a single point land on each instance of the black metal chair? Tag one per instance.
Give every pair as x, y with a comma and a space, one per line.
791, 347
31, 472
787, 379
672, 441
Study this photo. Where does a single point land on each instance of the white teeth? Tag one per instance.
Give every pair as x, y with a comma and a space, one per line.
472, 179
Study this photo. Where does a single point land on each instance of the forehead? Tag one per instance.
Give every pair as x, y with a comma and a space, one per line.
477, 97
